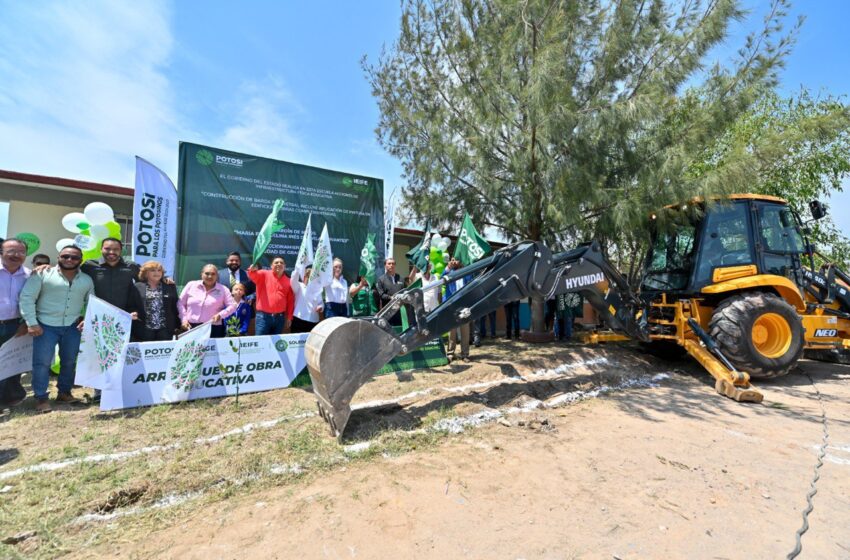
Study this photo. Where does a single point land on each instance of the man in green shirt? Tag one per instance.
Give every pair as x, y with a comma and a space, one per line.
52, 303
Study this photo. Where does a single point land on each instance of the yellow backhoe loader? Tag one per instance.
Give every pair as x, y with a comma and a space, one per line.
733, 283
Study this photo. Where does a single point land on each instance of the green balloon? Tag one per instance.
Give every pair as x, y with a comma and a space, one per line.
32, 241
91, 254
114, 229
83, 225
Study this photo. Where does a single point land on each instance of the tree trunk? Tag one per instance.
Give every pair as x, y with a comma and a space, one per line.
538, 332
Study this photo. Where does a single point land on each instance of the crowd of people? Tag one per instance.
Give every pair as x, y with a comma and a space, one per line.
48, 302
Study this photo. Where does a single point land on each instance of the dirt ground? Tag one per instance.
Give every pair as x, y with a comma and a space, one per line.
647, 469
667, 472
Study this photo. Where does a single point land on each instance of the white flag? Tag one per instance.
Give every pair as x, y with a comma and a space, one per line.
154, 217
389, 226
323, 269
185, 363
15, 356
305, 252
106, 333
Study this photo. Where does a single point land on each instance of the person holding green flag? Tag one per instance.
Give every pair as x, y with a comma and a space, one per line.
362, 297
275, 299
469, 248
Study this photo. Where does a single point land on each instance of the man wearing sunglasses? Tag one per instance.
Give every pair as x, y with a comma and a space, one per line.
52, 303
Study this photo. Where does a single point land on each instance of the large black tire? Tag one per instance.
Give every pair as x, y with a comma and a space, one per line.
833, 356
732, 324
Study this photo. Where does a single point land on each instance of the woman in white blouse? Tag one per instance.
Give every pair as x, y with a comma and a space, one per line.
308, 303
336, 295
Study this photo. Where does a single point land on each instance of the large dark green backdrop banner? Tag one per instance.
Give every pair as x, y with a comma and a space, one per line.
226, 196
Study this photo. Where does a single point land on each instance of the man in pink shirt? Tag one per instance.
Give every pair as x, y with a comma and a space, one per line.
206, 300
275, 300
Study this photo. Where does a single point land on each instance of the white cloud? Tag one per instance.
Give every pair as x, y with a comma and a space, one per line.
83, 89
263, 112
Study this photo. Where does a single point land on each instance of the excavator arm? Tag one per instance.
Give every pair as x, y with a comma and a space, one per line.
343, 354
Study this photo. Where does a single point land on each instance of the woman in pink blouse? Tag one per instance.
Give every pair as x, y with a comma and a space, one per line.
204, 300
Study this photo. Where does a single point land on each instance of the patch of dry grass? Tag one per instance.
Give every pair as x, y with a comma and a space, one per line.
51, 503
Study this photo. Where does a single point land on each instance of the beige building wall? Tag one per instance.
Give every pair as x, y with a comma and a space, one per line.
44, 220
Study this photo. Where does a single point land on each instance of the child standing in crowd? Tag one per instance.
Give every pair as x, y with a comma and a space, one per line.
244, 312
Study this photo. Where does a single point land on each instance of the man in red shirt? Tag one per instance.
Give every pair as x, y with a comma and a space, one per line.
275, 300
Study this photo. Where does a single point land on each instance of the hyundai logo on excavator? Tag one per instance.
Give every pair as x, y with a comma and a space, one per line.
584, 280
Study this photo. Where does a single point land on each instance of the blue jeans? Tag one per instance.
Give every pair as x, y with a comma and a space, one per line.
482, 326
512, 319
335, 310
43, 350
269, 323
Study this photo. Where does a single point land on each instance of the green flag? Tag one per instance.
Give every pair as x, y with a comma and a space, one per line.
273, 225
368, 256
421, 254
470, 245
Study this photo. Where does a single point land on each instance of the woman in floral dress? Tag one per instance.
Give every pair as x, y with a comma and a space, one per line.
157, 305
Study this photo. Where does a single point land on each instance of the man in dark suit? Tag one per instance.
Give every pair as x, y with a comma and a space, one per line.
234, 274
387, 286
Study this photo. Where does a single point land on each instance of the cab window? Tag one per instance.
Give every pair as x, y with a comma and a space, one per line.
780, 238
725, 241
670, 259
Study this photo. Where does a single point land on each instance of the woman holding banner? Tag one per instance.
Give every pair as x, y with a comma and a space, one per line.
156, 303
206, 300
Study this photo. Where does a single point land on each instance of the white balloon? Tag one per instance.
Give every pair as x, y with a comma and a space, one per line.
99, 232
98, 213
62, 243
444, 244
71, 220
85, 242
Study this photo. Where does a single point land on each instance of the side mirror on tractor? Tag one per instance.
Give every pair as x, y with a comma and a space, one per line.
818, 209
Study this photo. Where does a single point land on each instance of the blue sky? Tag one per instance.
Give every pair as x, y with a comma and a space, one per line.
85, 86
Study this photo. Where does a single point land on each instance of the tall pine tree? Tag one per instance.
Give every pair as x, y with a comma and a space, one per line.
554, 117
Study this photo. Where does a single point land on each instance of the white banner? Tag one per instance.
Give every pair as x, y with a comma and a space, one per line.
248, 364
106, 332
154, 217
305, 252
389, 226
323, 266
16, 356
185, 363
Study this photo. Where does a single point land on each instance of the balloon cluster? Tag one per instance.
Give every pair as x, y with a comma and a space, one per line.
439, 256
91, 226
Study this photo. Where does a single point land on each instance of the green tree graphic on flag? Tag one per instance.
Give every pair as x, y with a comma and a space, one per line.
108, 340
368, 257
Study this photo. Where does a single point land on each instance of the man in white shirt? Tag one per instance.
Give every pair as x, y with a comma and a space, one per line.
430, 298
13, 275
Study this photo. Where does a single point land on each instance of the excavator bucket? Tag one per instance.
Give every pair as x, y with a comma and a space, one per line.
342, 354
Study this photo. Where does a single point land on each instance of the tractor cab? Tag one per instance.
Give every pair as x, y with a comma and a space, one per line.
698, 244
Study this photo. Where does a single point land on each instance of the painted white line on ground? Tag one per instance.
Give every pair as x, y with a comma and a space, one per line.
250, 427
164, 502
453, 425
123, 455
